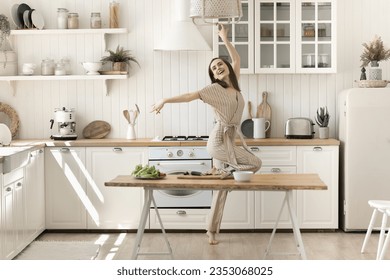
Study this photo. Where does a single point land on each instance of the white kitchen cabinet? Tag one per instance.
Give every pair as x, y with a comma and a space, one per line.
179, 218
316, 46
315, 209
76, 197
66, 198
267, 204
284, 36
35, 195
275, 36
113, 207
239, 210
12, 214
319, 209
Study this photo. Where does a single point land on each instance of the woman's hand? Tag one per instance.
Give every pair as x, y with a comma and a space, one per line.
158, 106
223, 32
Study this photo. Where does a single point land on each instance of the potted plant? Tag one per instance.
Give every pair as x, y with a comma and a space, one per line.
373, 52
6, 51
322, 119
120, 59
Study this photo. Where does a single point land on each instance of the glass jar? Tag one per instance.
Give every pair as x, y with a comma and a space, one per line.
308, 30
62, 18
47, 67
66, 62
60, 69
114, 14
73, 21
96, 20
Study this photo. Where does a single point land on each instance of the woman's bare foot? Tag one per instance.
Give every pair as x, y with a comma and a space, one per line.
212, 240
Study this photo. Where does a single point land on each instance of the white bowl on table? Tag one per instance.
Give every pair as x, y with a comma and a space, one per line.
243, 176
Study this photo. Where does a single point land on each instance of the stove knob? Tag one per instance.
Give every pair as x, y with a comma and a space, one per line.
170, 154
191, 154
179, 153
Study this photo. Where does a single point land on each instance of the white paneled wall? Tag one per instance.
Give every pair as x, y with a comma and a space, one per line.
164, 74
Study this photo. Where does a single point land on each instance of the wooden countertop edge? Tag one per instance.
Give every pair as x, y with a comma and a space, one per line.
266, 182
147, 142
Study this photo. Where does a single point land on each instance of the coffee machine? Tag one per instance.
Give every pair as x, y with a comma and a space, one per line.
66, 124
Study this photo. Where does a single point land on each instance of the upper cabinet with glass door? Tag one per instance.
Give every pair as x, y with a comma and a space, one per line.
284, 36
316, 36
274, 36
241, 36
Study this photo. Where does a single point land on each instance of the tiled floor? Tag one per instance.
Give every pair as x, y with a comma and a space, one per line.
194, 246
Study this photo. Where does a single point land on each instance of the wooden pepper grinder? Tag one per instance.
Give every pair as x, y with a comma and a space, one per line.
264, 111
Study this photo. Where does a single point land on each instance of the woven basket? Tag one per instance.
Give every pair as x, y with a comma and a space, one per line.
214, 9
372, 83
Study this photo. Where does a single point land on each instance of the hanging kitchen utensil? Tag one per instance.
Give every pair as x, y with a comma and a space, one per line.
247, 125
264, 111
127, 115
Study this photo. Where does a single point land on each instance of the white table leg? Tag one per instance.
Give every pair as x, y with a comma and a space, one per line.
141, 228
162, 229
142, 223
296, 230
267, 251
288, 198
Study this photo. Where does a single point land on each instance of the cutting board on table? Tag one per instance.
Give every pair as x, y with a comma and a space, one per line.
264, 111
204, 177
96, 130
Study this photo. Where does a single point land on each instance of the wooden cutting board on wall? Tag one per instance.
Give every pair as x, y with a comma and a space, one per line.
264, 111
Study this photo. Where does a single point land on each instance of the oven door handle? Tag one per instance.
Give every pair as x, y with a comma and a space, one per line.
181, 163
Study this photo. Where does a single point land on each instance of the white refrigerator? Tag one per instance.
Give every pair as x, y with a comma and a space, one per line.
364, 132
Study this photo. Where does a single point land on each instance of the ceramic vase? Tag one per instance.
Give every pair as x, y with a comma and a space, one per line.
130, 132
120, 66
374, 72
323, 132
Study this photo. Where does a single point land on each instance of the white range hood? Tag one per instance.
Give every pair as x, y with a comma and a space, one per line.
183, 34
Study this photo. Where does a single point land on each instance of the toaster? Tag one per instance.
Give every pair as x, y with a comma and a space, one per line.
299, 128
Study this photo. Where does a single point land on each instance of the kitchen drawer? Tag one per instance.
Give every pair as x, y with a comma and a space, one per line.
13, 176
272, 155
180, 218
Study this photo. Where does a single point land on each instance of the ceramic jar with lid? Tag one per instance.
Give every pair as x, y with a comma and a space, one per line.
73, 21
47, 67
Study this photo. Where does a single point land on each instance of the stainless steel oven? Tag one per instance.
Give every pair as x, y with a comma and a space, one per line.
180, 160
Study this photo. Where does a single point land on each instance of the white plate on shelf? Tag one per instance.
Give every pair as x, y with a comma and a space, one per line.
37, 19
5, 135
27, 22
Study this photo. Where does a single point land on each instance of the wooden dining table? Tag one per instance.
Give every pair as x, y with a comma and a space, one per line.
286, 183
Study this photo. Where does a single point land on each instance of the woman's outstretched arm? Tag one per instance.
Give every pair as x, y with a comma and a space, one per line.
187, 97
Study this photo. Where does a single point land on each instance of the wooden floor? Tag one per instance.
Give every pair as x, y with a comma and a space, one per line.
233, 246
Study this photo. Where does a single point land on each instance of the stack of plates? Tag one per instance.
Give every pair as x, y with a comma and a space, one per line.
25, 17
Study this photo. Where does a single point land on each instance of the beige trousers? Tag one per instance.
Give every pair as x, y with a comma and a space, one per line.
216, 211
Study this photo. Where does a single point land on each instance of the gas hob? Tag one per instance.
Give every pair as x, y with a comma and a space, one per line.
185, 138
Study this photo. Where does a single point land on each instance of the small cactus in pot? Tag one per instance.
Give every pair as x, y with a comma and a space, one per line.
322, 119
